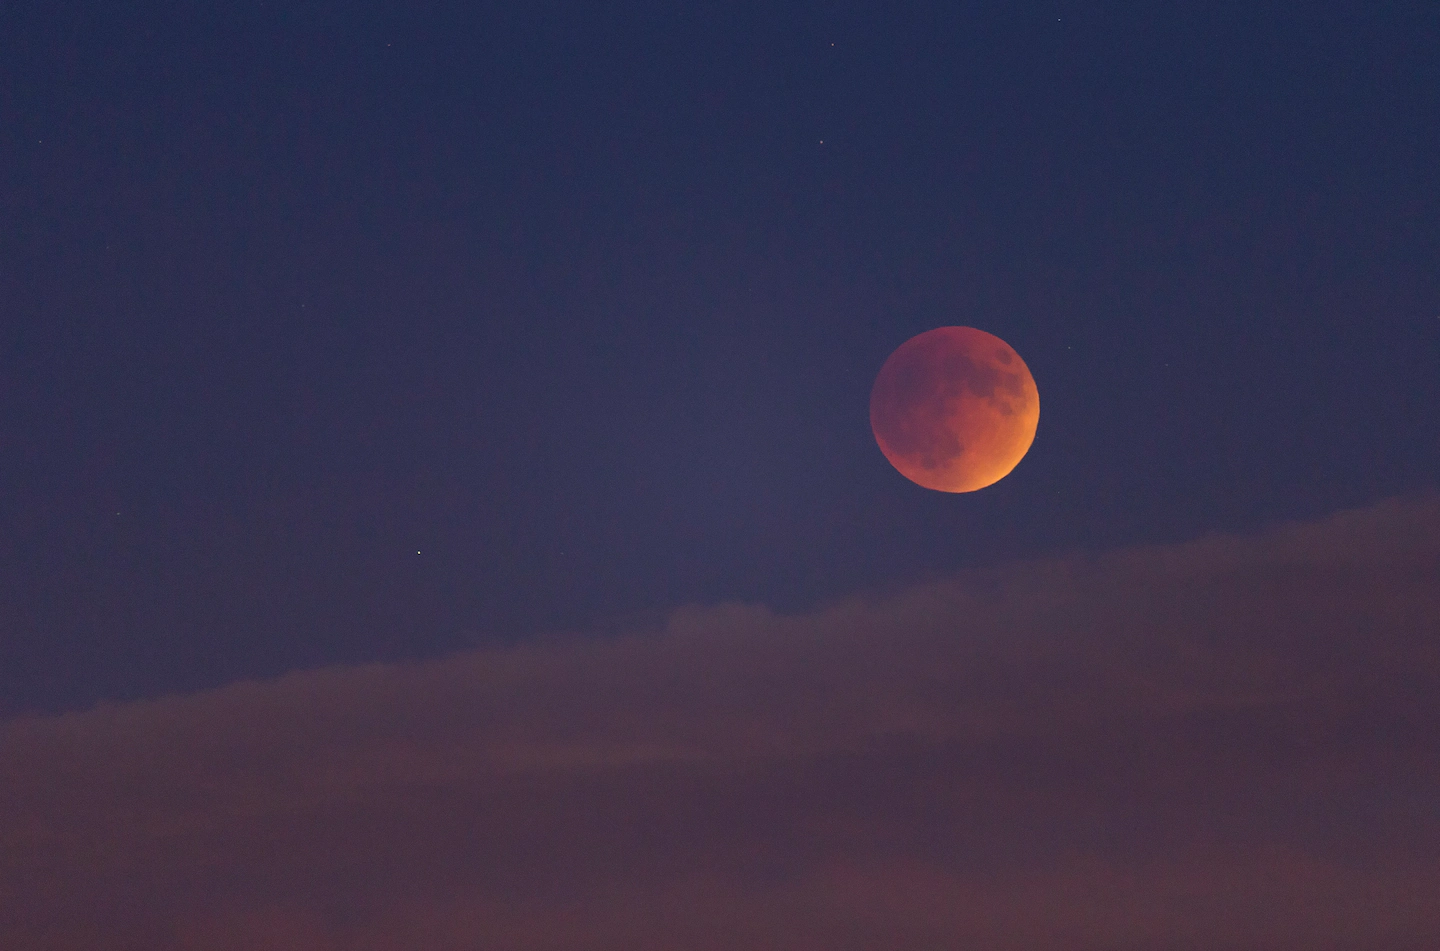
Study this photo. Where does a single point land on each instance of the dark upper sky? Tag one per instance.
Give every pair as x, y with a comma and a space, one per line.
335, 332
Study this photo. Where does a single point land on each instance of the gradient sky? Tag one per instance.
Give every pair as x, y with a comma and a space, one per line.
1225, 744
347, 337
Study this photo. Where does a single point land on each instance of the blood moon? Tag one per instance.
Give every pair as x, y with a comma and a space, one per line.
954, 409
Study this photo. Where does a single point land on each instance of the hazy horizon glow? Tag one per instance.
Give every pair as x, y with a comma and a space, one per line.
1229, 739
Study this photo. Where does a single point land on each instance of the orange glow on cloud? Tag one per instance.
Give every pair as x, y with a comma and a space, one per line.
1229, 741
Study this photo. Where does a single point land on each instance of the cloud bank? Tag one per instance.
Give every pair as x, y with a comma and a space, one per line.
1223, 744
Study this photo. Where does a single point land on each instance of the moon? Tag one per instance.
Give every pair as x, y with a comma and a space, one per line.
954, 409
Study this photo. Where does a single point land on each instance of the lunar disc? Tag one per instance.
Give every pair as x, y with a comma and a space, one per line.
954, 409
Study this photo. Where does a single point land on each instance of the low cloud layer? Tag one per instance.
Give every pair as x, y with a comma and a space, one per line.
1224, 744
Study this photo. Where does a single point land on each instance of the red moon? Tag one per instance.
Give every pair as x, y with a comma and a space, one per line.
954, 409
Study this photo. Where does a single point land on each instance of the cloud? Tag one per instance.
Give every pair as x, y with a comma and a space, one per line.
1227, 743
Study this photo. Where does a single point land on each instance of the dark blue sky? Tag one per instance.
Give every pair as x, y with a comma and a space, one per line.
335, 332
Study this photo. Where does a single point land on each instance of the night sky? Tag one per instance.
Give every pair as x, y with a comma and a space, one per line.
438, 505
